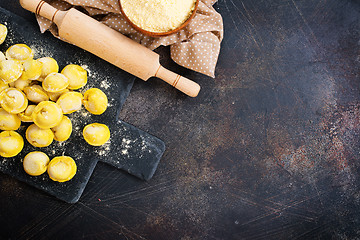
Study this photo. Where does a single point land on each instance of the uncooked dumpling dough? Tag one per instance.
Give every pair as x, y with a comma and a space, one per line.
63, 130
55, 82
39, 137
77, 76
49, 65
62, 169
47, 114
32, 69
11, 143
95, 101
70, 102
26, 116
96, 134
36, 93
35, 163
13, 100
9, 121
19, 52
3, 33
10, 70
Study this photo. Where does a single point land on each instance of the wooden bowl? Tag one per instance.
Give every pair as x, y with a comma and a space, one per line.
159, 34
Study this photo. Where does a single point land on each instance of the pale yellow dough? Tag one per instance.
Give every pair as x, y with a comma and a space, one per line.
49, 65
47, 114
20, 83
9, 121
95, 101
77, 76
96, 134
2, 57
32, 69
62, 169
11, 143
35, 163
10, 70
63, 130
70, 102
26, 116
20, 52
36, 93
55, 96
55, 82
158, 15
13, 100
39, 137
3, 33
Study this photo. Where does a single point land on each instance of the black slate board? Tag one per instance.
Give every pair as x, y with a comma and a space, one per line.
129, 148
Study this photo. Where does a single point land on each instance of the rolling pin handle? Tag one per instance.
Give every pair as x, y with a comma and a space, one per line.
181, 83
40, 7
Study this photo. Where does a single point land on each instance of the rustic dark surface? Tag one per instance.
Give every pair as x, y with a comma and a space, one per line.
268, 150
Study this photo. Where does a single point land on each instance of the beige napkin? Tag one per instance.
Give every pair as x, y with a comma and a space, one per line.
196, 47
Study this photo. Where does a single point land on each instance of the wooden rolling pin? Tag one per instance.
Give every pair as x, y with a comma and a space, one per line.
108, 44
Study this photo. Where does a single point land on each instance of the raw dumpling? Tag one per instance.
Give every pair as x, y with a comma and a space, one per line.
96, 134
55, 82
13, 100
35, 163
9, 121
47, 114
39, 137
63, 130
10, 70
11, 143
77, 76
70, 102
62, 169
95, 101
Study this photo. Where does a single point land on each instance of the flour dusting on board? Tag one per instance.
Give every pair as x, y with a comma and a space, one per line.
104, 149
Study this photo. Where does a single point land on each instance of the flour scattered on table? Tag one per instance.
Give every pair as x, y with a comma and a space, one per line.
105, 84
104, 149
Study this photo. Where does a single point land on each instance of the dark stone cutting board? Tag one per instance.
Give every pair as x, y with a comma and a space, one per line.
129, 148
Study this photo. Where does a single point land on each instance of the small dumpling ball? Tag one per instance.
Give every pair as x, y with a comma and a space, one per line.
49, 65
77, 76
13, 100
9, 121
2, 57
26, 116
47, 114
96, 134
55, 96
55, 82
62, 169
11, 143
39, 137
35, 163
95, 101
36, 93
3, 33
10, 70
70, 102
63, 130
32, 69
19, 52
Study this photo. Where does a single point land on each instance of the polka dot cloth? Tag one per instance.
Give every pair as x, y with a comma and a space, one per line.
196, 47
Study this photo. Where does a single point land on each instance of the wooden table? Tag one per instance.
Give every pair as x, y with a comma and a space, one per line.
268, 150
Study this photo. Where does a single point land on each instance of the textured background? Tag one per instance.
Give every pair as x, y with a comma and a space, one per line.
268, 150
